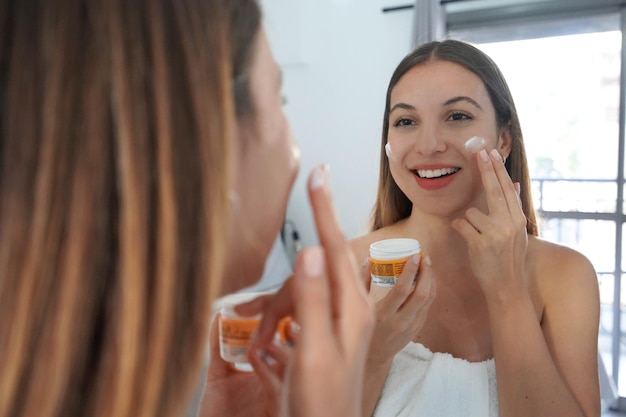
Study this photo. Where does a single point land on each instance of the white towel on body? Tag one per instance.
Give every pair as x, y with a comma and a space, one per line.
421, 383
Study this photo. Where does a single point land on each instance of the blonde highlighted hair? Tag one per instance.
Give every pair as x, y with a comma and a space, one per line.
115, 131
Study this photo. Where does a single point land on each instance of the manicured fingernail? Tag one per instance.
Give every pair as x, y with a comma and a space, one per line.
518, 188
496, 155
318, 177
313, 262
294, 328
483, 155
428, 261
415, 259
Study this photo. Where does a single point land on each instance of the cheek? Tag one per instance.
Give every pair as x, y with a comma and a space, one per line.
402, 177
283, 155
474, 182
397, 148
268, 171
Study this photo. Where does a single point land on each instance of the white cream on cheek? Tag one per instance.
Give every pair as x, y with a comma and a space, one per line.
389, 153
475, 144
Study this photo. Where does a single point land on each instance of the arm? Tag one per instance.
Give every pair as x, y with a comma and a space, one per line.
542, 369
375, 376
552, 369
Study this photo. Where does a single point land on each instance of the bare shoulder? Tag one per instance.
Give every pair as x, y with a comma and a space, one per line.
360, 245
558, 269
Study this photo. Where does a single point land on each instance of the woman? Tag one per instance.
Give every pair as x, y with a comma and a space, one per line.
324, 363
128, 135
512, 329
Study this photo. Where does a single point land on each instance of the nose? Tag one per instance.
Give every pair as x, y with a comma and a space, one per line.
429, 142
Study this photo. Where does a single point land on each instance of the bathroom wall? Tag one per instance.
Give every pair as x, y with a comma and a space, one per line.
337, 57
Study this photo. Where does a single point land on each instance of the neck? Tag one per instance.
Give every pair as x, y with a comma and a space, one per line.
439, 240
435, 228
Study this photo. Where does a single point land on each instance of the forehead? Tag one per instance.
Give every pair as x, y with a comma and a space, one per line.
437, 81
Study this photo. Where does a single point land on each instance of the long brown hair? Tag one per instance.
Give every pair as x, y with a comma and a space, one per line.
391, 203
116, 120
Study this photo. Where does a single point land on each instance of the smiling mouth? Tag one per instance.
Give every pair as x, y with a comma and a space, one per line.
436, 173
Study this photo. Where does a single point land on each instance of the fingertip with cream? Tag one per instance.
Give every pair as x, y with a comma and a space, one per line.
318, 177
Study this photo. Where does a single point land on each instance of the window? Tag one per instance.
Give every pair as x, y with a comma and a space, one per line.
565, 76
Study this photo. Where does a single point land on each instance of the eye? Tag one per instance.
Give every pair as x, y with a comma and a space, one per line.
403, 122
458, 116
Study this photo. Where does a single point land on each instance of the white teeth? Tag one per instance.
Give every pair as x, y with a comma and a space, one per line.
436, 173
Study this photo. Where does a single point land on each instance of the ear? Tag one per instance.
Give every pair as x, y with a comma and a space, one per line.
505, 143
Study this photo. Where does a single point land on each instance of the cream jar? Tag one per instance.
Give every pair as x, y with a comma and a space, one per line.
387, 260
235, 331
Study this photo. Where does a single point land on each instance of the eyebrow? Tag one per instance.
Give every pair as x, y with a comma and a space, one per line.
470, 100
449, 102
404, 106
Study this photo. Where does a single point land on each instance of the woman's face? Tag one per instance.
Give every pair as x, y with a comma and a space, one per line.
267, 162
434, 109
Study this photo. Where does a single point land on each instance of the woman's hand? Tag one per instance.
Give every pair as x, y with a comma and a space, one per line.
242, 394
552, 370
327, 299
401, 313
498, 240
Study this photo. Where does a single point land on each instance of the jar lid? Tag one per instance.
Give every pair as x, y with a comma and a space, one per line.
394, 248
227, 302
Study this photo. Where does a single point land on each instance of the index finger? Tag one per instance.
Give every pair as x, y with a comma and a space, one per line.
491, 183
506, 183
339, 256
313, 298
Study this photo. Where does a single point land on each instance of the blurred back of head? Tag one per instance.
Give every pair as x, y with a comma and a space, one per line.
115, 166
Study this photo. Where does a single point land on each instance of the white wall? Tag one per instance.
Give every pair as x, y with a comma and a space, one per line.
337, 57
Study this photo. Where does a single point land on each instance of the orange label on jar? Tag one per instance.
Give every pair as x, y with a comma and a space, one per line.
237, 332
387, 268
384, 273
235, 335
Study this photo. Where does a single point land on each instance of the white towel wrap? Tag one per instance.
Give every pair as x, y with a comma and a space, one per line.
426, 384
